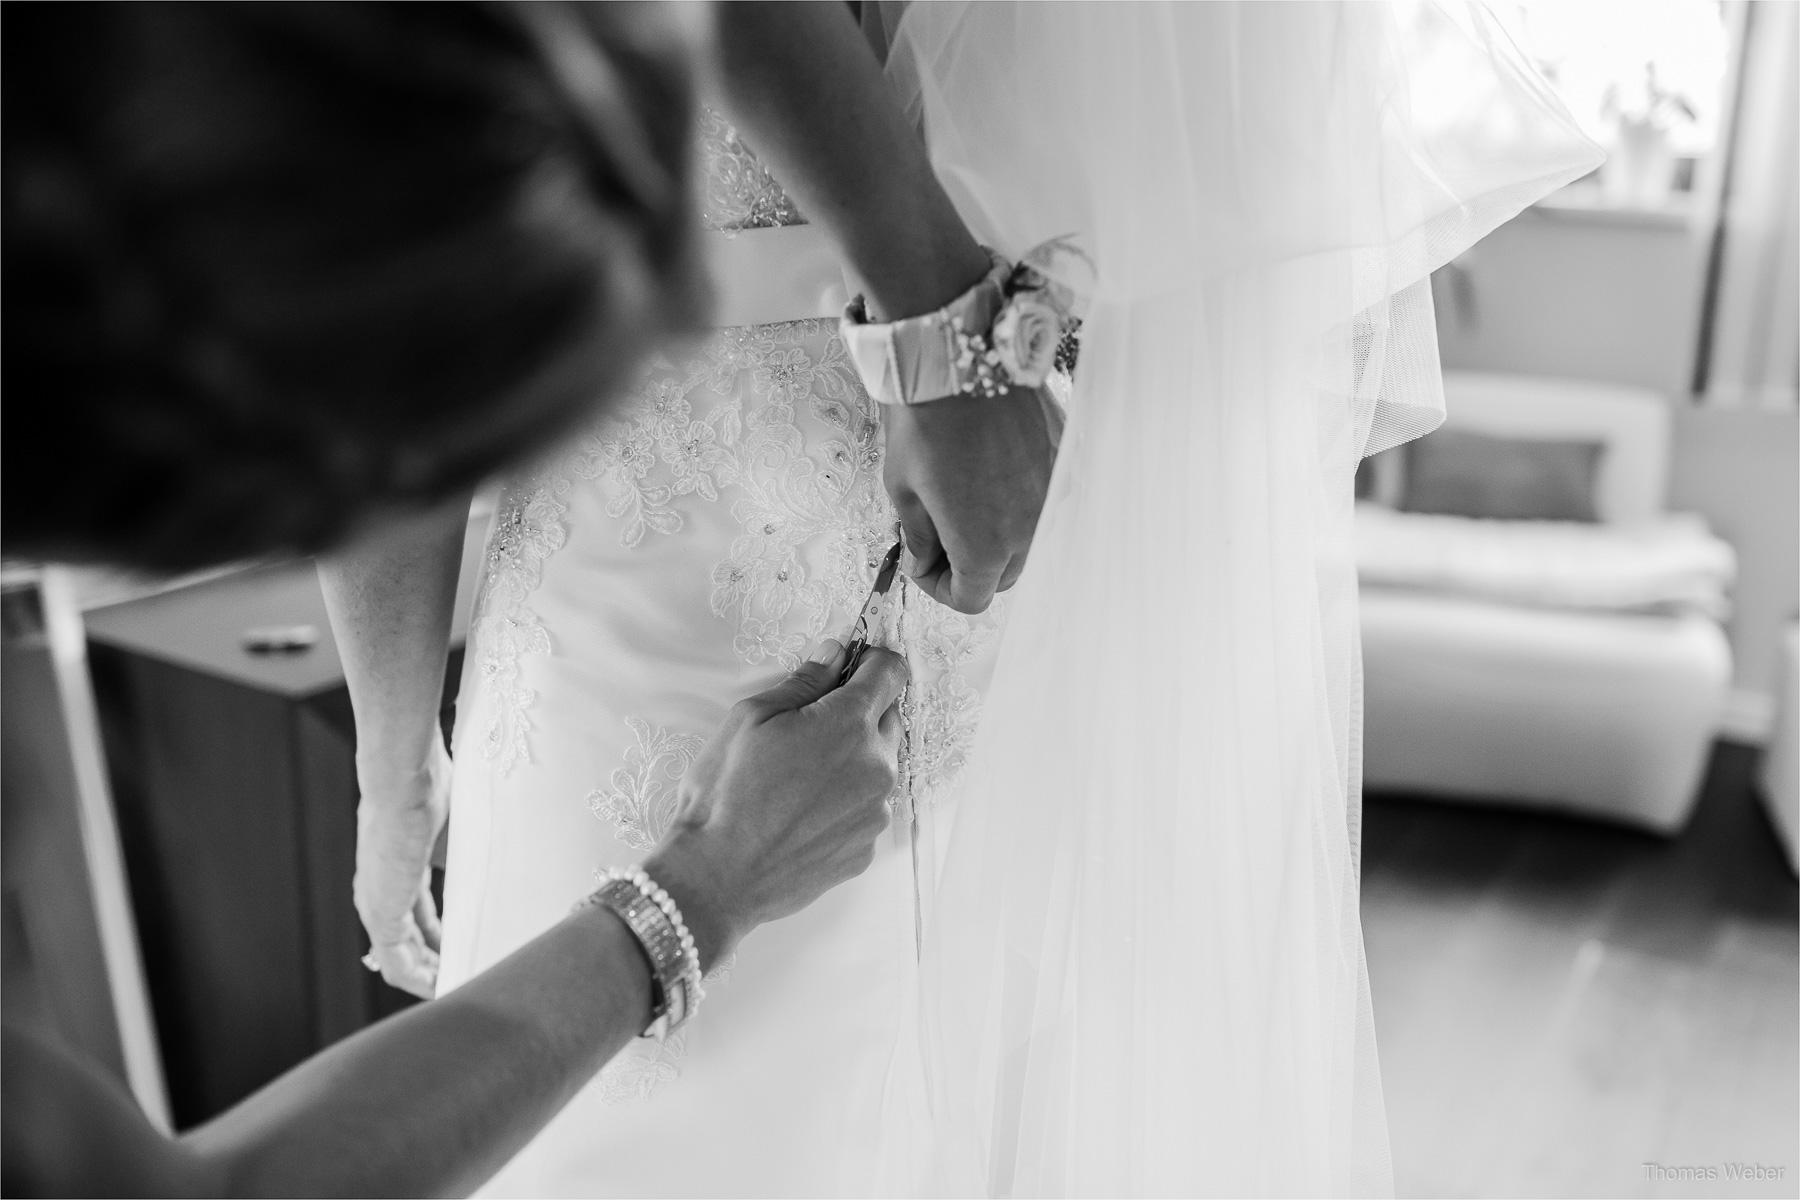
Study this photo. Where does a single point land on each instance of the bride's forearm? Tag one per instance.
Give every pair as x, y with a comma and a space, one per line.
390, 597
801, 82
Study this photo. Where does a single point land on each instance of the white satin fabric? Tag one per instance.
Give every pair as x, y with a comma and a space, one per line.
675, 558
1143, 970
767, 276
681, 554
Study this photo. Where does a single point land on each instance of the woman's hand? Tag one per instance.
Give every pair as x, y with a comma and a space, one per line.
968, 476
391, 595
787, 799
399, 822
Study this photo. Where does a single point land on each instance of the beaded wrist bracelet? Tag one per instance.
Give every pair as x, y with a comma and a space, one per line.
653, 918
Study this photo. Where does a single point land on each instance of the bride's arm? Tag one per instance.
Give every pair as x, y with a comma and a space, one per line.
390, 597
801, 81
968, 476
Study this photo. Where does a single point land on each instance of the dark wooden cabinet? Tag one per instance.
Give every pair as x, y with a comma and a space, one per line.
235, 786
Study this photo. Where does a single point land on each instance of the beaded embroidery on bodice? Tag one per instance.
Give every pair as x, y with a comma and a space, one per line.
740, 192
772, 420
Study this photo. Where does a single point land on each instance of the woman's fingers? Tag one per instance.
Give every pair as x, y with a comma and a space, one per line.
876, 686
409, 965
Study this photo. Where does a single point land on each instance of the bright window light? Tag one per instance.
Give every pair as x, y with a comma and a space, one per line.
1656, 63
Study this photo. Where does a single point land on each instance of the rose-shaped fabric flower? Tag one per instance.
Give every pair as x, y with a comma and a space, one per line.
1025, 336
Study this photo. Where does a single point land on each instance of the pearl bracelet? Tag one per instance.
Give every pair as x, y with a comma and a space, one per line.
655, 921
690, 953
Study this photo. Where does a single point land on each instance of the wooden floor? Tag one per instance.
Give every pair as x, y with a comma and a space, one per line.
1559, 1002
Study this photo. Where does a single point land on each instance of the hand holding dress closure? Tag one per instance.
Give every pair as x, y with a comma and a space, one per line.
968, 476
787, 799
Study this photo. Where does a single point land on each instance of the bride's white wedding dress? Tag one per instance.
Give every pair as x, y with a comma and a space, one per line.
1116, 949
675, 558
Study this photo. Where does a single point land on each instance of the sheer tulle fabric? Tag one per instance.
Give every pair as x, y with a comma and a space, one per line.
1142, 971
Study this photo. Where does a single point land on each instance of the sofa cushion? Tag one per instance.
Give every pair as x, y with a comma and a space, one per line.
1460, 473
1672, 564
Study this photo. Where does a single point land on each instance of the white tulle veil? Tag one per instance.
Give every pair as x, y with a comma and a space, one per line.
1142, 971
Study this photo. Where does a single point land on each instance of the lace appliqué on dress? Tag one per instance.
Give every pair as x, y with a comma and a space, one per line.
529, 529
724, 426
633, 1076
740, 192
644, 796
814, 522
786, 496
813, 514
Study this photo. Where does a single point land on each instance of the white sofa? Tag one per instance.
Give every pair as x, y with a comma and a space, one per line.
1606, 713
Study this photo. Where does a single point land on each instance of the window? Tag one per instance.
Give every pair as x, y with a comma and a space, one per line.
1645, 79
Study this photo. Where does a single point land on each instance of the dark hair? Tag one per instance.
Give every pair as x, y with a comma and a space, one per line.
269, 269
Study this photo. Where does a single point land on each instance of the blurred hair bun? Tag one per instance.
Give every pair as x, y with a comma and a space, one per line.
272, 268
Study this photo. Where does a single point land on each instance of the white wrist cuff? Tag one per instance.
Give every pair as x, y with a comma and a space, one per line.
1000, 334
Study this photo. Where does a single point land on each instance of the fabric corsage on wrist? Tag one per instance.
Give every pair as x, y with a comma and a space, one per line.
1004, 332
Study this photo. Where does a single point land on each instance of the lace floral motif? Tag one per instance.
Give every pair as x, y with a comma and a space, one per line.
813, 515
698, 430
940, 708
644, 798
529, 530
633, 1076
814, 521
740, 192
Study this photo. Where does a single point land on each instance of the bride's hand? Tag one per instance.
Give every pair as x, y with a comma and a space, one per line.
399, 822
787, 799
968, 477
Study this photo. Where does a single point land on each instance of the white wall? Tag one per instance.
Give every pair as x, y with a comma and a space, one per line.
1741, 468
1577, 294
